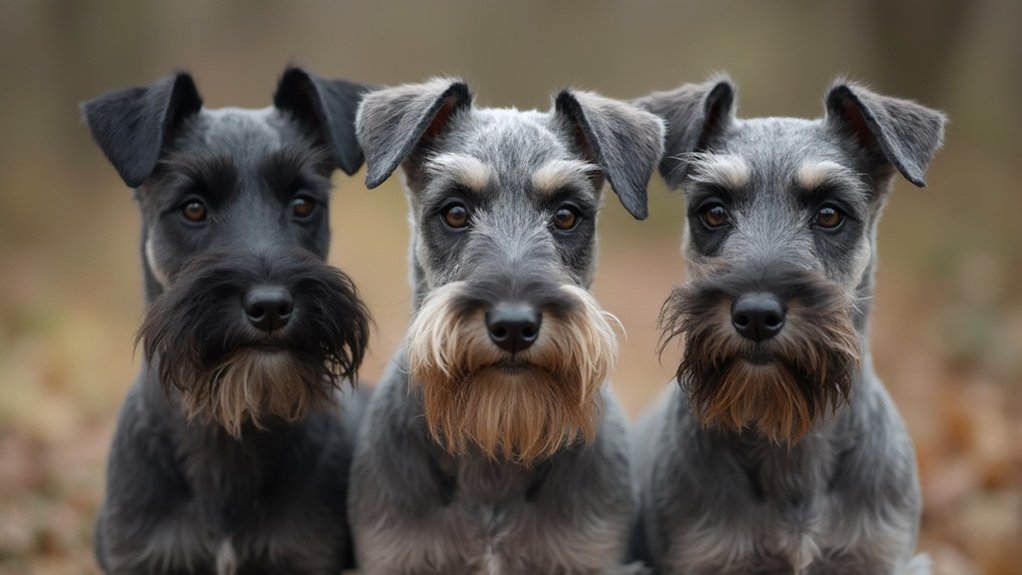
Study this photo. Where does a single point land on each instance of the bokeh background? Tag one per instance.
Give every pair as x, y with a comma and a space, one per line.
947, 334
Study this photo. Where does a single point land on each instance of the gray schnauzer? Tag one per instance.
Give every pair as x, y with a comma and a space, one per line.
781, 451
232, 454
492, 445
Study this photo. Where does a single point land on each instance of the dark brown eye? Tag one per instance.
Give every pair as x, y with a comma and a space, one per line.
302, 207
455, 216
194, 211
565, 218
714, 216
829, 218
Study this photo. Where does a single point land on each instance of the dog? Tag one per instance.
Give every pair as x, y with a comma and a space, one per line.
492, 445
780, 450
231, 454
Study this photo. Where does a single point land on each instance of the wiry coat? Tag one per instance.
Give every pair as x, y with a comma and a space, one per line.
534, 477
807, 469
232, 450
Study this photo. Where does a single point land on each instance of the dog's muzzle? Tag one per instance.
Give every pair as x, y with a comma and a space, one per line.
511, 371
773, 348
256, 337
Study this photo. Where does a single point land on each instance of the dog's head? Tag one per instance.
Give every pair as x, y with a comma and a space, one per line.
246, 319
507, 346
780, 239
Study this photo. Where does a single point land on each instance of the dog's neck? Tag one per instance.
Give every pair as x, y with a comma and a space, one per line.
783, 472
472, 471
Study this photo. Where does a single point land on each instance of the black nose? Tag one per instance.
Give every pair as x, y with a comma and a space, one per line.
758, 316
268, 307
513, 327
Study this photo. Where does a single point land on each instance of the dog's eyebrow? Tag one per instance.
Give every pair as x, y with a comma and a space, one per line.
558, 174
290, 165
812, 175
213, 173
466, 170
724, 170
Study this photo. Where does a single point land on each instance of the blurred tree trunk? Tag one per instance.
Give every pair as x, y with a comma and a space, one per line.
914, 42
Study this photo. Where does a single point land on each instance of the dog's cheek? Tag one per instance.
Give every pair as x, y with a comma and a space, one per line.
155, 268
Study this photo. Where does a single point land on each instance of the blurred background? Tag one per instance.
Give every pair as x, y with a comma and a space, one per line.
947, 330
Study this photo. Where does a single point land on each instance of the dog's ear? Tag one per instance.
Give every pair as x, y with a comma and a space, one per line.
131, 126
624, 141
392, 122
326, 106
694, 113
891, 131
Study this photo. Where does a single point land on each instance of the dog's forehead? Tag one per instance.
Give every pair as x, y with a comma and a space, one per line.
239, 131
777, 148
511, 142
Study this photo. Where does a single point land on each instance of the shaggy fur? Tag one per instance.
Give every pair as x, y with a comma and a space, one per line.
780, 387
233, 447
481, 456
780, 454
526, 410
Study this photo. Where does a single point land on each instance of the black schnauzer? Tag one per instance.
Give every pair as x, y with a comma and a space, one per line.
232, 450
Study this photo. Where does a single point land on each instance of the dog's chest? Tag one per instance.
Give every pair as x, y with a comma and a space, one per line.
802, 538
491, 504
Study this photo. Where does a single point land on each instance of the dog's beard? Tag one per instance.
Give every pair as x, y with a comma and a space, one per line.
779, 387
227, 373
255, 385
524, 411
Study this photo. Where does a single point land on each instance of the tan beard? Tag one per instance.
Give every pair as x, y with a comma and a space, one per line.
255, 385
521, 414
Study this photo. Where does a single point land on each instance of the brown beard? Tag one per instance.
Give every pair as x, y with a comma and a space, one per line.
253, 386
810, 368
526, 412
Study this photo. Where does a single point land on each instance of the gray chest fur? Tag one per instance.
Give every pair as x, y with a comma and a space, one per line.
844, 500
417, 510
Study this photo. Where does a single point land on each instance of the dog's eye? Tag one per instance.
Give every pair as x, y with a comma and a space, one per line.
714, 216
455, 216
566, 218
829, 218
194, 211
303, 207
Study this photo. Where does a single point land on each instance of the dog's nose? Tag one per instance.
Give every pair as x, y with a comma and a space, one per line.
268, 307
758, 316
513, 327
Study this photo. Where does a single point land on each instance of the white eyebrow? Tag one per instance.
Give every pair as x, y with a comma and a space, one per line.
720, 169
467, 170
811, 175
556, 174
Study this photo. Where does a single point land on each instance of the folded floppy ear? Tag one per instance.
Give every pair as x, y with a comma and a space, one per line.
624, 141
327, 107
131, 126
890, 131
695, 114
392, 122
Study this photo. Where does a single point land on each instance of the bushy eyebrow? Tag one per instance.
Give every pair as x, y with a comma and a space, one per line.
294, 166
213, 174
557, 174
721, 170
826, 175
817, 174
466, 170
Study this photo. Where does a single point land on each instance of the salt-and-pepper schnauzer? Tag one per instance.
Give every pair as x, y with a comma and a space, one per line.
492, 445
231, 454
781, 451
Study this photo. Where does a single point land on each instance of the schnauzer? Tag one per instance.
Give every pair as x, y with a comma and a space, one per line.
492, 445
780, 451
232, 453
